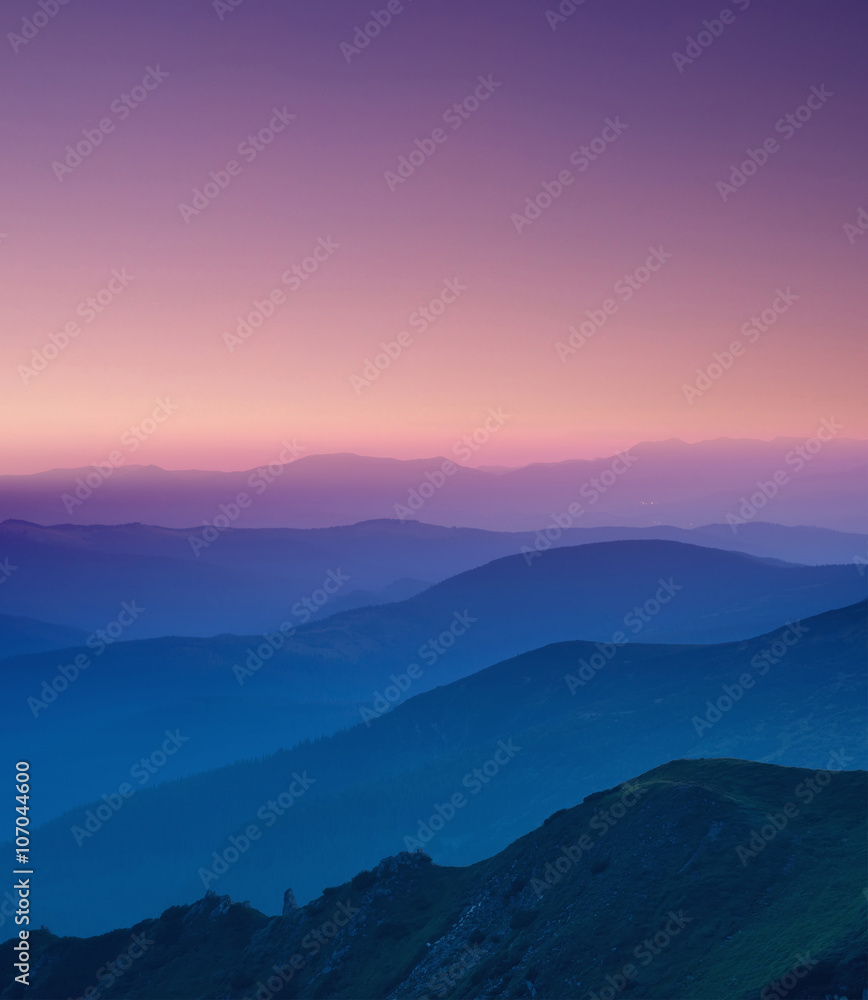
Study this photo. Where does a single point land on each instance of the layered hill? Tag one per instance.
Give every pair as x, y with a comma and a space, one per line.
518, 740
249, 580
713, 879
241, 696
20, 635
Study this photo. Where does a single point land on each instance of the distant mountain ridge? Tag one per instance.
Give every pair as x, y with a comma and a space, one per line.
241, 695
20, 635
249, 580
655, 482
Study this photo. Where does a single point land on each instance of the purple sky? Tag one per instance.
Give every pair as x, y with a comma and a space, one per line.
450, 237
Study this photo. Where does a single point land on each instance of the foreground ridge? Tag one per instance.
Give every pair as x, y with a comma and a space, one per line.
641, 889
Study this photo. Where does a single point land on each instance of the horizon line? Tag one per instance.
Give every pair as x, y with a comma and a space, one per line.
491, 468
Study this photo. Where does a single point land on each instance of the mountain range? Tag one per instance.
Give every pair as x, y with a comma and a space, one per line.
249, 580
794, 481
241, 696
518, 740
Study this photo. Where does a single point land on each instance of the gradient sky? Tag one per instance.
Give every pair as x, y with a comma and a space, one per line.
323, 177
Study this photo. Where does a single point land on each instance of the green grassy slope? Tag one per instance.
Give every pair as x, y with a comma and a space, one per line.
642, 889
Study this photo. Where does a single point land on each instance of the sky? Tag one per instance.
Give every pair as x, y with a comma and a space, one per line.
497, 225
